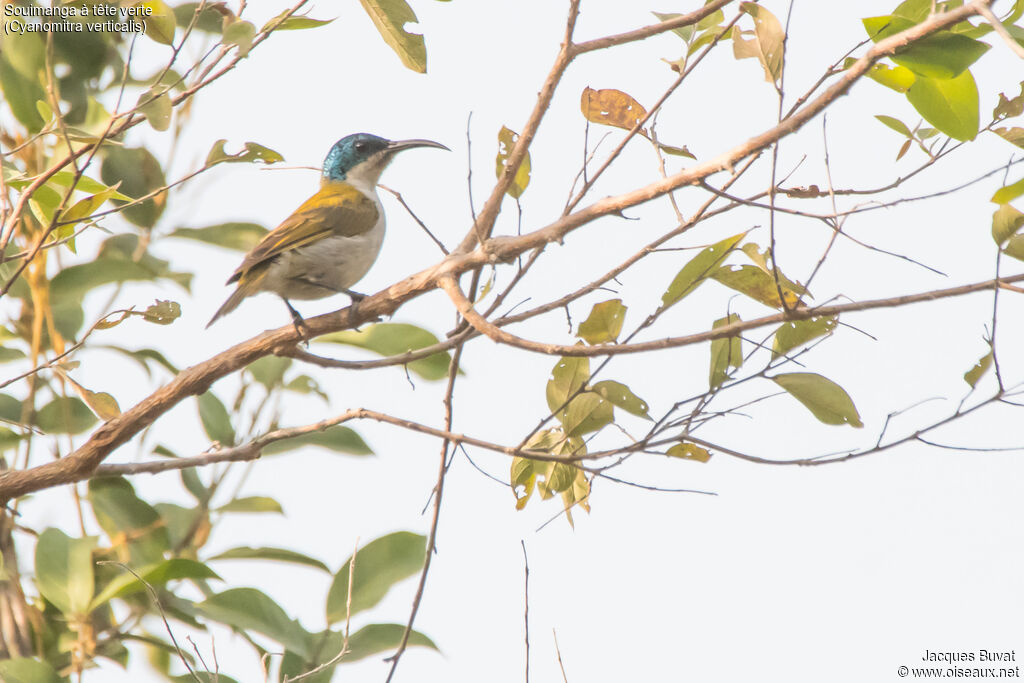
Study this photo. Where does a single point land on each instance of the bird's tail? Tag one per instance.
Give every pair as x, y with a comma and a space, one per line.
231, 304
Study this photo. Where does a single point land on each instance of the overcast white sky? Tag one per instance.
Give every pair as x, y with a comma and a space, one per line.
838, 573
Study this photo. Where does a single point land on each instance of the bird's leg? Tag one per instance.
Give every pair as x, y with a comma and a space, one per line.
355, 296
300, 324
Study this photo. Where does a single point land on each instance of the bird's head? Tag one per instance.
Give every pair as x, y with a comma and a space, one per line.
361, 157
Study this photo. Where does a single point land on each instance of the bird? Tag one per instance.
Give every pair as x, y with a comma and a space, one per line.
330, 242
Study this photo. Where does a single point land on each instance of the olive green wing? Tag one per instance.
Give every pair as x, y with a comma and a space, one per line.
337, 209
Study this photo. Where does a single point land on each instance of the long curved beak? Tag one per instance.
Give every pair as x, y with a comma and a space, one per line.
399, 145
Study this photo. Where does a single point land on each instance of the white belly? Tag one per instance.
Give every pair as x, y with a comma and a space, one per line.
327, 267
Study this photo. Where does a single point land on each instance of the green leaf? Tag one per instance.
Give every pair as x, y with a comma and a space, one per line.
138, 173
676, 151
758, 284
978, 369
391, 17
689, 451
64, 571
790, 335
273, 554
143, 357
293, 23
240, 34
180, 522
101, 403
238, 236
611, 107
393, 339
215, 419
7, 354
84, 208
204, 677
604, 322
338, 438
568, 375
725, 353
252, 504
155, 105
560, 477
698, 269
251, 153
10, 408
155, 575
1009, 193
898, 78
127, 248
193, 484
26, 670
72, 283
684, 32
943, 54
506, 141
65, 415
823, 397
9, 439
379, 565
586, 413
1006, 221
269, 370
21, 62
210, 20
375, 638
160, 23
768, 44
248, 609
304, 384
895, 124
127, 519
621, 396
162, 312
951, 105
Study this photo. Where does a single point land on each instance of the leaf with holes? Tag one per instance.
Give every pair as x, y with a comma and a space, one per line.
604, 322
978, 369
611, 107
790, 335
621, 396
768, 43
689, 451
506, 142
568, 375
391, 17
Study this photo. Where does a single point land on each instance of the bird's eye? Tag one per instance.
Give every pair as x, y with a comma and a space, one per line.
360, 146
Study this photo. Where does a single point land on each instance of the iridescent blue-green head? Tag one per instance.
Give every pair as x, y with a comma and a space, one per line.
362, 157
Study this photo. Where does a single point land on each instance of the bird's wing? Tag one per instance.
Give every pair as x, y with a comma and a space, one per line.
337, 209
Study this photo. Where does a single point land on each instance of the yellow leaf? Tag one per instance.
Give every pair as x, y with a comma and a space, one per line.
611, 107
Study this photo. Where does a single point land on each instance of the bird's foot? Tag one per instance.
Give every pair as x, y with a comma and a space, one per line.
300, 325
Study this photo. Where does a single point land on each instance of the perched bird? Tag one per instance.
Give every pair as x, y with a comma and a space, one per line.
329, 243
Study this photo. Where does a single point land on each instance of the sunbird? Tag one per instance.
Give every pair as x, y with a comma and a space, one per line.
329, 243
